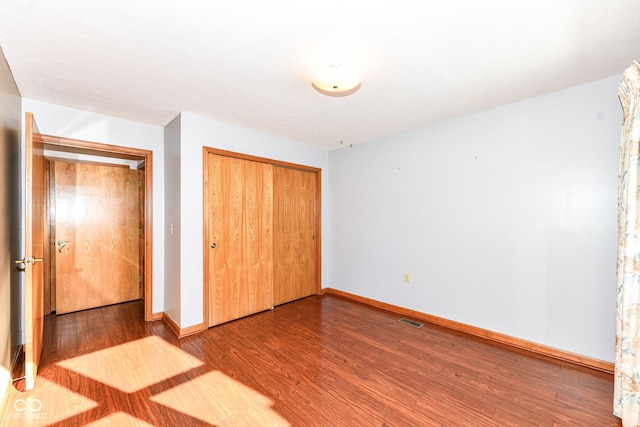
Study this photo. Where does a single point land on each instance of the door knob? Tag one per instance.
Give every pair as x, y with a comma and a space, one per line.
29, 261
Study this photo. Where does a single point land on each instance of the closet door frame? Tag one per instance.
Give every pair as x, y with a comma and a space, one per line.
205, 203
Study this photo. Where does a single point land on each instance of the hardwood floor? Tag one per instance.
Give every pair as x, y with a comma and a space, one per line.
320, 361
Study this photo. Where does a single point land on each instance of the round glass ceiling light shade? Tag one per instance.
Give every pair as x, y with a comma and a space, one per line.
336, 81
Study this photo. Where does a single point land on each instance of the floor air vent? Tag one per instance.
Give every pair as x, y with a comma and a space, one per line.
411, 322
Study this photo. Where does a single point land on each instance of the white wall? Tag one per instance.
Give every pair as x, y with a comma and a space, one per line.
197, 132
172, 215
505, 219
71, 123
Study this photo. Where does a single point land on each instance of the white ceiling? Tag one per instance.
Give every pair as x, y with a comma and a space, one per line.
249, 62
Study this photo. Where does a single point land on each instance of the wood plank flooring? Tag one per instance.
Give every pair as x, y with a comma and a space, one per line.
320, 361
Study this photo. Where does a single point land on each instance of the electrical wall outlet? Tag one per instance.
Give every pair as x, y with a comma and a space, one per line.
407, 278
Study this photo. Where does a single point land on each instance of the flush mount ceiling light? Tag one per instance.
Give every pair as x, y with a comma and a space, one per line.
336, 81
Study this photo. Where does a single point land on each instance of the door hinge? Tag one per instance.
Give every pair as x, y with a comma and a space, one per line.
139, 231
139, 184
140, 279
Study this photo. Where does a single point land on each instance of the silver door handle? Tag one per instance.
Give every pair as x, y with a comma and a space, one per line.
29, 261
62, 244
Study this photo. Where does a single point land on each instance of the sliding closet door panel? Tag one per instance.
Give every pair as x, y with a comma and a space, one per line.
258, 237
225, 205
295, 232
240, 255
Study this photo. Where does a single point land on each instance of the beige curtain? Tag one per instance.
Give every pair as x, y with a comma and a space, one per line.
626, 403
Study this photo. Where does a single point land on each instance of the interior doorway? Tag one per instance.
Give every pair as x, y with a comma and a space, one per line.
94, 227
55, 146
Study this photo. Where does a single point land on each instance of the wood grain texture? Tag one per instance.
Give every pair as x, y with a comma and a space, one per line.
58, 143
47, 248
239, 216
51, 226
141, 227
290, 241
295, 230
34, 238
319, 361
496, 337
97, 211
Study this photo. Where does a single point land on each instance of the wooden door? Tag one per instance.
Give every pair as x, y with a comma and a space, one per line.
141, 225
239, 224
96, 235
295, 231
34, 249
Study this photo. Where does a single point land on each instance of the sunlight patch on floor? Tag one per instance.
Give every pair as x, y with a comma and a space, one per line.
48, 403
222, 401
135, 365
131, 368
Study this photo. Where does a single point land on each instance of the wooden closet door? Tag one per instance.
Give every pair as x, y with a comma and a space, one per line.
240, 253
295, 232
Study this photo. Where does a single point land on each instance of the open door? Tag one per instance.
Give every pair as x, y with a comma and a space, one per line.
34, 251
